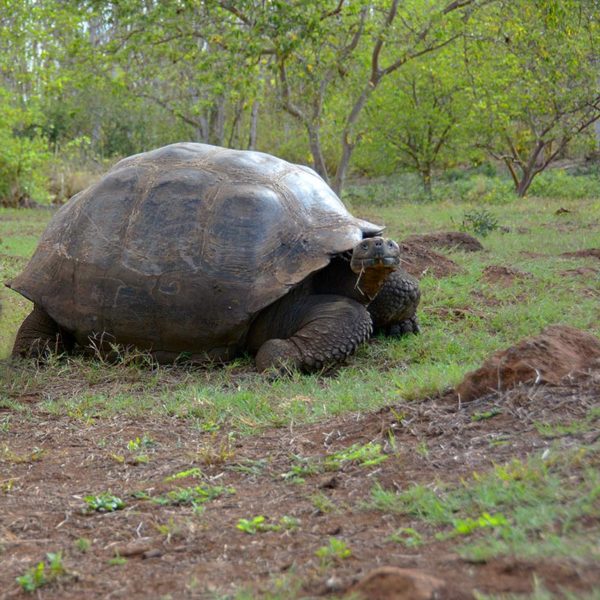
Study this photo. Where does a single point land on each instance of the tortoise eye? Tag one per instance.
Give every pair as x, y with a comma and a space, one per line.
364, 245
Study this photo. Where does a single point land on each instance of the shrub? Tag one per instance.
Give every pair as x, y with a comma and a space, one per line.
23, 156
558, 183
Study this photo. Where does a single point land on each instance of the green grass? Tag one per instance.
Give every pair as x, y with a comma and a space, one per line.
490, 316
526, 508
536, 507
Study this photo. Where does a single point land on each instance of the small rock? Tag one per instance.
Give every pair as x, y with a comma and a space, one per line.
333, 584
133, 548
393, 583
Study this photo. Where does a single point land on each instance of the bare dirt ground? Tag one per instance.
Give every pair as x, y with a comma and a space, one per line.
49, 464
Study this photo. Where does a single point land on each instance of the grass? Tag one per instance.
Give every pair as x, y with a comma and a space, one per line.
533, 508
491, 316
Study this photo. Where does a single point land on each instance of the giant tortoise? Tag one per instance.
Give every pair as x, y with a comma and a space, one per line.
197, 251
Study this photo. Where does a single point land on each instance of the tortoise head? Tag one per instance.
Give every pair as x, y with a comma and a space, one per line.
373, 260
375, 253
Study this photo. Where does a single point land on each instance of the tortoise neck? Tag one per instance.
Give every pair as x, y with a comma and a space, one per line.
369, 281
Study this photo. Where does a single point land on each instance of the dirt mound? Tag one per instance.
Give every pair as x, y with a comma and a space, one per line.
582, 271
454, 240
392, 583
558, 351
419, 260
503, 275
585, 253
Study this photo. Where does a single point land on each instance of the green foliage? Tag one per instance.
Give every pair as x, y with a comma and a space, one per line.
193, 472
480, 222
469, 525
335, 550
366, 455
104, 502
407, 536
558, 183
83, 545
195, 496
43, 573
23, 155
258, 524
532, 495
315, 82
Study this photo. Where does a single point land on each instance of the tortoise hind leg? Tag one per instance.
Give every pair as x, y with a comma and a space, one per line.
330, 328
394, 309
40, 334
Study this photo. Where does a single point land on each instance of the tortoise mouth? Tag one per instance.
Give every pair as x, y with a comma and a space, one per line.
374, 262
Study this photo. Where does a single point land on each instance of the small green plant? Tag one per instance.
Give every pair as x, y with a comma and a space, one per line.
259, 525
83, 545
215, 452
488, 414
138, 444
33, 578
302, 468
407, 536
335, 549
5, 424
104, 502
479, 221
195, 496
468, 526
173, 529
43, 573
250, 466
117, 561
289, 523
367, 455
194, 472
254, 525
323, 503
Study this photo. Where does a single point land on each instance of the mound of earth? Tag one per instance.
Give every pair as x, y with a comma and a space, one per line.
419, 260
558, 351
392, 583
454, 240
583, 271
503, 275
584, 253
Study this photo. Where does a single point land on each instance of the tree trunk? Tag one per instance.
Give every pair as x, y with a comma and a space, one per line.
525, 182
253, 125
314, 138
217, 117
426, 180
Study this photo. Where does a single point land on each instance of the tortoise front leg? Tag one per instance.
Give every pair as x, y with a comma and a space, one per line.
394, 309
39, 334
330, 328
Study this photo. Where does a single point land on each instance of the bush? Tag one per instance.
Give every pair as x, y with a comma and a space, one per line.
558, 183
23, 156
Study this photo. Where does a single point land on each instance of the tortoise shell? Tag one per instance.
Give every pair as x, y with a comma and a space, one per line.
179, 248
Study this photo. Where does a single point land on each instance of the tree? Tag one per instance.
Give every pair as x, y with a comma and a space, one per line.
319, 48
418, 114
533, 67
